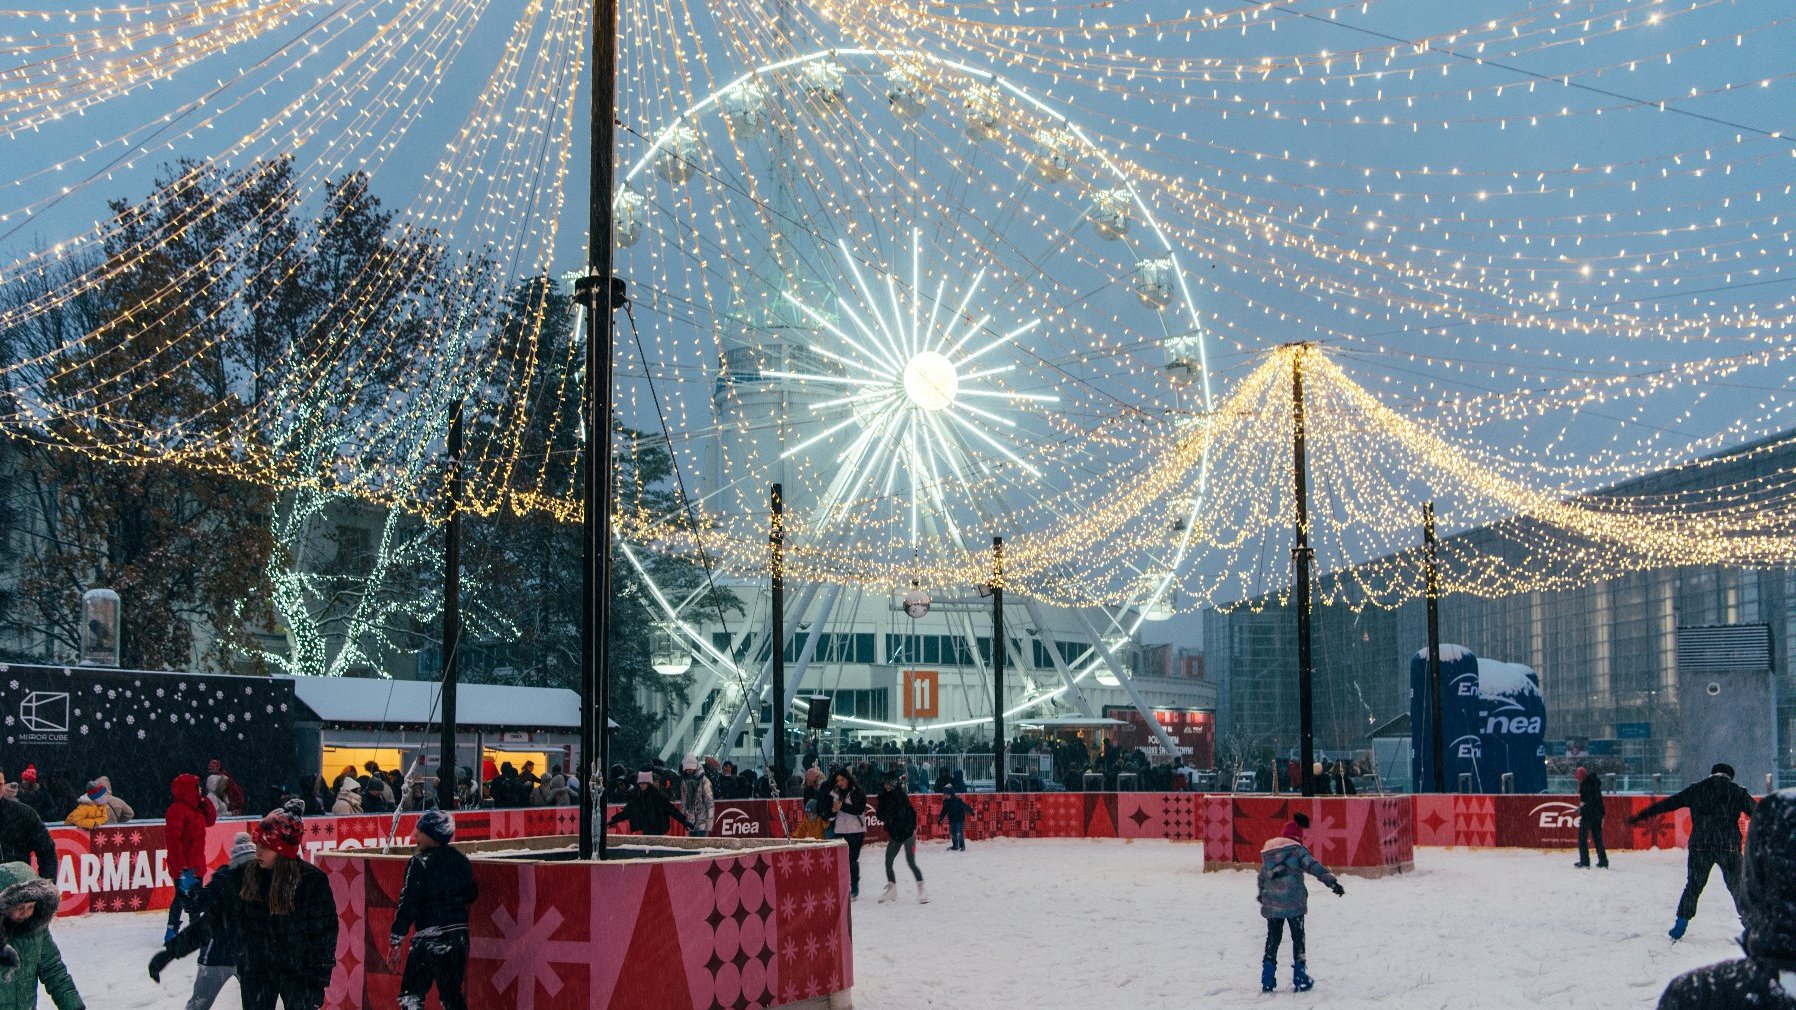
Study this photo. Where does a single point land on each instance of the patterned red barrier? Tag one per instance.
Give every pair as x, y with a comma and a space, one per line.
761, 927
123, 867
1540, 822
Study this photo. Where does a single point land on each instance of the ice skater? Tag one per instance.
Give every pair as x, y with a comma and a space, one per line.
28, 954
438, 889
1766, 976
955, 810
217, 938
1285, 899
848, 807
1590, 819
901, 834
1716, 805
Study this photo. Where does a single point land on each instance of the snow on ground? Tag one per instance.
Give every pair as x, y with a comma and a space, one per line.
1050, 924
1034, 924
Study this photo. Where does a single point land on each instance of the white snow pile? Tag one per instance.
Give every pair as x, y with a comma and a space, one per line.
1497, 678
1073, 923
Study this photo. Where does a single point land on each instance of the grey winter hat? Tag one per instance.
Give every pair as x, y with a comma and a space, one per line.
243, 848
438, 826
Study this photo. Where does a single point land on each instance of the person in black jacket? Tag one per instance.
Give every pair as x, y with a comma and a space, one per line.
1590, 819
218, 938
1716, 805
900, 818
439, 886
23, 837
648, 809
1766, 977
288, 921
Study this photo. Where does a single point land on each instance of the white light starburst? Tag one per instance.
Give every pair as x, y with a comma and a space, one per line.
910, 375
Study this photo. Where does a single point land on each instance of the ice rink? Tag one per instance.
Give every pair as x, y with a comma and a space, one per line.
1030, 924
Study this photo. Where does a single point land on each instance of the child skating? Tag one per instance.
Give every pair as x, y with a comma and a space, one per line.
955, 810
1285, 899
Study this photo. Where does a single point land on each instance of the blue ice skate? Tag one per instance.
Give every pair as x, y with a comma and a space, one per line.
1300, 979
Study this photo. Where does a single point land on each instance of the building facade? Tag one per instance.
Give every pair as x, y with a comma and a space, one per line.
1606, 652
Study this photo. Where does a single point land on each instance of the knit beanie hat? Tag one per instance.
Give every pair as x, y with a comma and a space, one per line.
690, 764
29, 774
96, 791
438, 826
243, 848
280, 831
645, 778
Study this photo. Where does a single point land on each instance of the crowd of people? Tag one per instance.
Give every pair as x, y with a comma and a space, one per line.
268, 919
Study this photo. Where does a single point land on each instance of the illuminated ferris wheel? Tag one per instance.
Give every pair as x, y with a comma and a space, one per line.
927, 304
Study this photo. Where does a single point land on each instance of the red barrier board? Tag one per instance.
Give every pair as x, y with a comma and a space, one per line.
756, 928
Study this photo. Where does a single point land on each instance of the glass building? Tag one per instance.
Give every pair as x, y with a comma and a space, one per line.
1606, 652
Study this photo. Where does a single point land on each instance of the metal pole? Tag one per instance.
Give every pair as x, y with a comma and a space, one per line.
451, 617
596, 295
776, 545
998, 664
1301, 555
1437, 739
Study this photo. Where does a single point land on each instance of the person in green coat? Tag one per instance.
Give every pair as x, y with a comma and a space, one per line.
28, 955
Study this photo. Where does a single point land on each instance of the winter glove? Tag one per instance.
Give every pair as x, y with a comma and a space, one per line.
189, 880
159, 962
396, 950
1337, 888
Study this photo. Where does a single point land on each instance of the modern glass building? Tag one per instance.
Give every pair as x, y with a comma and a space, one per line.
1606, 652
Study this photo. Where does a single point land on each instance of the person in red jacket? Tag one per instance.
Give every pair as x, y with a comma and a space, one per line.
189, 814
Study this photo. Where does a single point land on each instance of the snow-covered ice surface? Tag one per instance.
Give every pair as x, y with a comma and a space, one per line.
1032, 924
1049, 924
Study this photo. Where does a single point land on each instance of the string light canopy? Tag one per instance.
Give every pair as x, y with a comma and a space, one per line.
950, 270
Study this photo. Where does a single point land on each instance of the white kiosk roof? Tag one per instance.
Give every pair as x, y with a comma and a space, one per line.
415, 702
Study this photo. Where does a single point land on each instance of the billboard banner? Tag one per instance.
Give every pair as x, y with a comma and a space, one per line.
1493, 718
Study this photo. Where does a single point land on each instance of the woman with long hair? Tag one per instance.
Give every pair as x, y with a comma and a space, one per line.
288, 921
848, 805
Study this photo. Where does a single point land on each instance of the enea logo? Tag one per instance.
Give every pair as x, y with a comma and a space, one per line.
1465, 685
1468, 746
1551, 816
1511, 717
45, 716
734, 822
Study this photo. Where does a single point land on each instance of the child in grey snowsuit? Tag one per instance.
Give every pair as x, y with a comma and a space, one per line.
439, 887
1284, 898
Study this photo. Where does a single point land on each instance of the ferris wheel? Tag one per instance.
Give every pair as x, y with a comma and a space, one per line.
932, 308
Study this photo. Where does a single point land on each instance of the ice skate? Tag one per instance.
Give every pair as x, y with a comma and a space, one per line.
922, 894
1268, 976
1677, 929
889, 894
1300, 979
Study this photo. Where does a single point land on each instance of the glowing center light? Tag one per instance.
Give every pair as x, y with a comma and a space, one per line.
930, 380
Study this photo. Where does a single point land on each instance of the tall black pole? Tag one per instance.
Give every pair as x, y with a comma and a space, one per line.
1437, 740
596, 295
1301, 555
451, 617
998, 664
776, 545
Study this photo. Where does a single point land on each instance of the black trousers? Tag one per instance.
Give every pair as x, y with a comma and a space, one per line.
439, 959
1700, 862
1275, 932
1589, 829
183, 903
291, 993
854, 860
909, 848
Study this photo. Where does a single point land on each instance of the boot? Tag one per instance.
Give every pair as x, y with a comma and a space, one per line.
1678, 927
889, 894
1268, 976
1300, 979
922, 895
